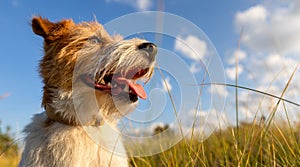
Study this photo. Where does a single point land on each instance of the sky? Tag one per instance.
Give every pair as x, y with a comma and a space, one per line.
264, 35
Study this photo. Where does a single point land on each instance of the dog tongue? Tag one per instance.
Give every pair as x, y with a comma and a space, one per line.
137, 88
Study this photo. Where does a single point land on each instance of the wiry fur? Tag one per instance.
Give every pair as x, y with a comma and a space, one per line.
71, 52
61, 145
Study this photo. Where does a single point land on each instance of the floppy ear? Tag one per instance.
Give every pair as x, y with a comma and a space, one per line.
50, 30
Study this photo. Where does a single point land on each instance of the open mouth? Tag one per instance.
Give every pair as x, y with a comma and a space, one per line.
119, 85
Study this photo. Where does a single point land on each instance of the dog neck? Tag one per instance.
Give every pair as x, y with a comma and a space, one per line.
59, 107
77, 108
56, 117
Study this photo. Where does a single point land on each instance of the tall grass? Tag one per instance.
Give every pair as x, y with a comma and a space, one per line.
9, 154
256, 143
261, 143
6, 161
276, 145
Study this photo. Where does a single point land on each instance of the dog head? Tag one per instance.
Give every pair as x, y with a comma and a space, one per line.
85, 55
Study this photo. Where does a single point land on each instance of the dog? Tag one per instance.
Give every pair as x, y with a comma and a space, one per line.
91, 80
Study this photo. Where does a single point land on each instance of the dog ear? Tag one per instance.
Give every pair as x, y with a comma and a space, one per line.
49, 30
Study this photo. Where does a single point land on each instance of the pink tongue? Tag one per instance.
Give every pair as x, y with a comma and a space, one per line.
137, 88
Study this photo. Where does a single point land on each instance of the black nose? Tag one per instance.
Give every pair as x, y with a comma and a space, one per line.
150, 48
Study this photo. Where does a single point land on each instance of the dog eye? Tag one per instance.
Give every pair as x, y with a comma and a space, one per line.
95, 40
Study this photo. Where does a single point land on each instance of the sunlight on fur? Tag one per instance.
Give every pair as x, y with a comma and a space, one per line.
83, 62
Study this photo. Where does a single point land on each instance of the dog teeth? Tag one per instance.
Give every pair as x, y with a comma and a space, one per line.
108, 84
100, 82
126, 88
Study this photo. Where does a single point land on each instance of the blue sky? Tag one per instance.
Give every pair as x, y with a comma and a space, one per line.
268, 54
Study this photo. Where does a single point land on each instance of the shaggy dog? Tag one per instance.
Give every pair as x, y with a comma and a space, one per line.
91, 79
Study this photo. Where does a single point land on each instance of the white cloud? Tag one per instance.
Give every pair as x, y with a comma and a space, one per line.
253, 15
275, 28
231, 71
270, 42
218, 90
269, 73
272, 68
200, 123
274, 60
194, 68
242, 55
141, 5
206, 121
167, 87
191, 47
272, 37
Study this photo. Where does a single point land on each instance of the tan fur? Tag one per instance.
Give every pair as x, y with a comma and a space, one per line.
62, 135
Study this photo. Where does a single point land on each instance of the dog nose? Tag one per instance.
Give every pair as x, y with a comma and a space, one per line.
150, 48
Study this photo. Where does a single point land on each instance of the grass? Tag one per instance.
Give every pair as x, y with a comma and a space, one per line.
7, 161
276, 146
258, 143
279, 145
9, 154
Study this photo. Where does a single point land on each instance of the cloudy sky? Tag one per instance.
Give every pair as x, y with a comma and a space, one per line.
263, 36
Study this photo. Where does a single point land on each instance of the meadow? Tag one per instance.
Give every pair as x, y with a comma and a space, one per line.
255, 145
252, 144
263, 141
